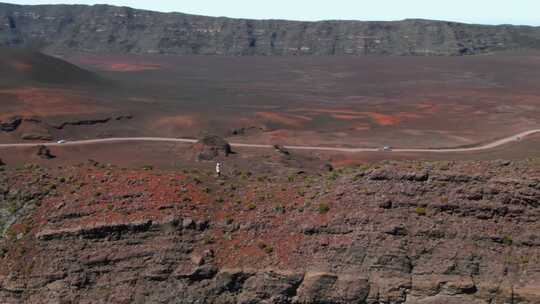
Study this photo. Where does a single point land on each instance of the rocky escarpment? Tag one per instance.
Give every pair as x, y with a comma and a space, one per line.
44, 152
403, 232
89, 122
102, 28
10, 124
34, 128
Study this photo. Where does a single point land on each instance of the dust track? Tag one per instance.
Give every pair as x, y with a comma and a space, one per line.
488, 146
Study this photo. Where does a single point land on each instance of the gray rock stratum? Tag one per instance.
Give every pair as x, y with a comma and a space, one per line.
387, 233
103, 28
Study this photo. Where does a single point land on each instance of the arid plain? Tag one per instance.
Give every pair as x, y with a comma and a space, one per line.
321, 101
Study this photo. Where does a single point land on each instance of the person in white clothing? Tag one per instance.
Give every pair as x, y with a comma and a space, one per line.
218, 169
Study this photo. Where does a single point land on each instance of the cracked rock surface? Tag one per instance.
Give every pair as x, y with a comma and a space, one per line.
393, 232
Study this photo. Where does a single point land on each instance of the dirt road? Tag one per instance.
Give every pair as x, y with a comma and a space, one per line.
487, 146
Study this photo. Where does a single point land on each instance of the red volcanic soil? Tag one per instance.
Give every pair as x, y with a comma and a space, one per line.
350, 114
374, 101
284, 119
177, 122
22, 67
114, 63
126, 67
44, 102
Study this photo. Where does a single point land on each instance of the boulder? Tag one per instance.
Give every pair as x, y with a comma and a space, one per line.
195, 273
211, 147
282, 150
327, 167
45, 153
270, 285
326, 288
2, 163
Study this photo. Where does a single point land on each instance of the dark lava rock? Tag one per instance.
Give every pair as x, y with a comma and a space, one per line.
281, 149
45, 153
327, 167
123, 117
397, 231
11, 124
196, 273
245, 130
386, 204
211, 146
415, 176
331, 288
36, 136
270, 285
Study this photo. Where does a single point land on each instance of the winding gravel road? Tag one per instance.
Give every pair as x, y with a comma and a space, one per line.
487, 146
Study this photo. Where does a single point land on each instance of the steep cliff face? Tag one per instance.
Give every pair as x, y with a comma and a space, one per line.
401, 232
103, 28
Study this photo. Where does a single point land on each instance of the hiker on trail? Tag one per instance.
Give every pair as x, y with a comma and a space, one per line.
218, 169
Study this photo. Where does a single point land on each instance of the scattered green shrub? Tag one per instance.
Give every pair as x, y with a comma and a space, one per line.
266, 248
421, 211
507, 240
323, 208
279, 209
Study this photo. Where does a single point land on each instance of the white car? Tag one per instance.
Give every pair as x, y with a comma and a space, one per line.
61, 142
387, 148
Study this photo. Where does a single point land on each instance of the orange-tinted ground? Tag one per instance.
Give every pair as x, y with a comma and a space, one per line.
45, 102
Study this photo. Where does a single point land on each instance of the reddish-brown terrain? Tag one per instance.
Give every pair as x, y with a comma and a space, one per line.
408, 102
394, 232
149, 222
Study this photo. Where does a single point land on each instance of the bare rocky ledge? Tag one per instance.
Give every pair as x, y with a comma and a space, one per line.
395, 232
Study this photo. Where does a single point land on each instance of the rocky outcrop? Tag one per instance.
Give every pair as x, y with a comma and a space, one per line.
282, 150
90, 122
36, 136
245, 131
102, 28
96, 230
322, 288
211, 147
45, 153
11, 124
394, 232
